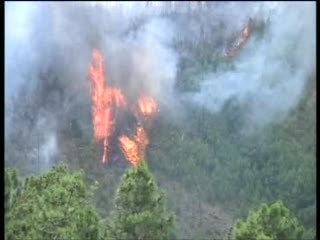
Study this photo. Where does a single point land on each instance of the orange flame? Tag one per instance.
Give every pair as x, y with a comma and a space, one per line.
245, 34
147, 105
129, 149
101, 115
118, 97
142, 140
102, 98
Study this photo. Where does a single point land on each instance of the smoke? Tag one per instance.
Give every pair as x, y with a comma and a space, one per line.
270, 73
19, 57
46, 134
48, 151
48, 48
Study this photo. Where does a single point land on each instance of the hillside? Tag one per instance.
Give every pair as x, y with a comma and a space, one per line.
219, 99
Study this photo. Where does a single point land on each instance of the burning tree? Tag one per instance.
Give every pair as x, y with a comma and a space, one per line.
245, 34
103, 98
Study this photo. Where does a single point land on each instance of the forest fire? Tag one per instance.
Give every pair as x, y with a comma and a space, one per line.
245, 34
102, 99
118, 98
147, 105
129, 149
98, 94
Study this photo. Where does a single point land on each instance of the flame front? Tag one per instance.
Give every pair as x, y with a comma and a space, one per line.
129, 149
147, 105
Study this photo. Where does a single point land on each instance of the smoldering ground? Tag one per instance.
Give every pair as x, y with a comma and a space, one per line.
48, 48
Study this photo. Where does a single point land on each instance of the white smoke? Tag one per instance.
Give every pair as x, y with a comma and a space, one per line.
269, 73
52, 43
18, 36
48, 151
46, 135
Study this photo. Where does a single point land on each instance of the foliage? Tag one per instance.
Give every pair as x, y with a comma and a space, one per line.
210, 155
84, 154
54, 205
12, 189
272, 222
140, 208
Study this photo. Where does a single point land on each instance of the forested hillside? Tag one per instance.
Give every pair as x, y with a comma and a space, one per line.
232, 128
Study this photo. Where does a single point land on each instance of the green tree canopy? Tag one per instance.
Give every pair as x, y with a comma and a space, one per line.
140, 208
54, 205
12, 189
272, 222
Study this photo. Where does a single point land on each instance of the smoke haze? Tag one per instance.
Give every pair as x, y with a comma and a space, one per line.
271, 72
56, 38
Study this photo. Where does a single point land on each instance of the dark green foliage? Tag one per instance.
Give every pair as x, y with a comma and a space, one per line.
12, 189
272, 222
83, 154
210, 156
239, 169
202, 60
140, 208
54, 205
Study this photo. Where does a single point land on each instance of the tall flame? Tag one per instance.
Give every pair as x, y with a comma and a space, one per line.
103, 119
102, 98
129, 149
98, 92
147, 105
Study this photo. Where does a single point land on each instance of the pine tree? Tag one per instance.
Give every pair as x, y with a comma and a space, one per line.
12, 189
268, 223
140, 208
54, 205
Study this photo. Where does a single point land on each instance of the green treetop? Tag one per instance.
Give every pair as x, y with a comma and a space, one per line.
140, 208
12, 189
268, 223
54, 205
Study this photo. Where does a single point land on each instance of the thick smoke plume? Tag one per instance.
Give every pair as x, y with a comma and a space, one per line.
48, 48
270, 73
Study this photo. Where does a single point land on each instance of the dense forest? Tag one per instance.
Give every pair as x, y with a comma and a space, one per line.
231, 151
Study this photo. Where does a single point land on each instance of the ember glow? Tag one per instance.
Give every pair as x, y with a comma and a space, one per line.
103, 98
147, 105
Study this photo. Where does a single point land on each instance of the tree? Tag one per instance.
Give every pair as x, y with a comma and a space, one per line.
54, 205
140, 208
268, 222
12, 189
